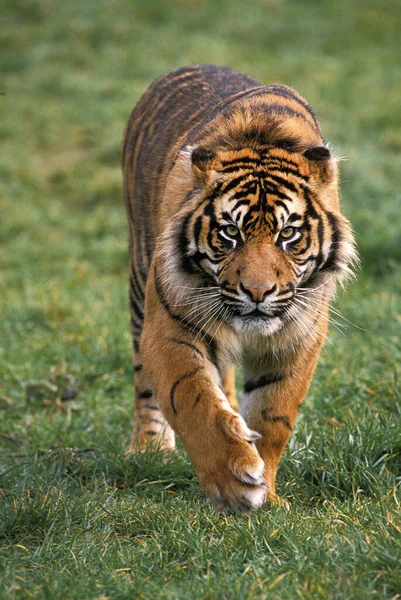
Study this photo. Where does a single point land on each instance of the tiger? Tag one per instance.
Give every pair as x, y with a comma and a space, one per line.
236, 246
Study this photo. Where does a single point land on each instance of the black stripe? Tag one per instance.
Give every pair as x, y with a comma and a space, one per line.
183, 242
246, 190
213, 224
280, 91
281, 162
283, 205
138, 368
295, 217
277, 180
137, 325
241, 164
136, 309
192, 346
176, 384
177, 77
243, 160
330, 262
127, 194
320, 237
285, 92
198, 397
236, 169
289, 144
273, 191
290, 289
225, 187
250, 484
135, 285
278, 419
254, 384
240, 203
197, 228
310, 206
286, 171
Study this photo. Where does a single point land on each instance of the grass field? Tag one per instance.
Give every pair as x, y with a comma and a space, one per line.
77, 519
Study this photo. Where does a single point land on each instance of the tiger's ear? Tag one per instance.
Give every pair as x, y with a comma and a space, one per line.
317, 153
322, 164
202, 159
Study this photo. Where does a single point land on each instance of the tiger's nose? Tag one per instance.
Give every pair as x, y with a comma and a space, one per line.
257, 293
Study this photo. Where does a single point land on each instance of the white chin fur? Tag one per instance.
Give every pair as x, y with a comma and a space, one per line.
258, 324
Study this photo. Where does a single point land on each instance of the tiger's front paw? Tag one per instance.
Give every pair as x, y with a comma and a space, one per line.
233, 474
238, 490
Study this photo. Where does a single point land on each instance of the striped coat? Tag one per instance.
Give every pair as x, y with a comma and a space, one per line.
236, 243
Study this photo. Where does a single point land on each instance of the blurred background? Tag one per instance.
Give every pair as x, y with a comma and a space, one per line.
71, 73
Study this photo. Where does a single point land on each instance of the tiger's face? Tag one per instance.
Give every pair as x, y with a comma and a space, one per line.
266, 226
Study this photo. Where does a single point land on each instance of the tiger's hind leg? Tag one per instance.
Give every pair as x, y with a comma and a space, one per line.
150, 426
229, 387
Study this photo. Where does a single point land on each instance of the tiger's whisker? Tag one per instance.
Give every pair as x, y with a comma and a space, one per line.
322, 313
204, 312
195, 301
224, 316
199, 306
205, 309
333, 310
214, 312
216, 316
318, 287
306, 327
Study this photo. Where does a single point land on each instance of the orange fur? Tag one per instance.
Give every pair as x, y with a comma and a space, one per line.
236, 245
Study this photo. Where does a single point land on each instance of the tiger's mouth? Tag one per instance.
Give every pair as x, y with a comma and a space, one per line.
256, 313
257, 322
266, 320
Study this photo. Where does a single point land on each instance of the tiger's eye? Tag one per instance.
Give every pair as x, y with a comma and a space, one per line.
231, 230
287, 233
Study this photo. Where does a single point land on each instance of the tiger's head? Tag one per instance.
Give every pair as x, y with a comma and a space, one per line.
263, 228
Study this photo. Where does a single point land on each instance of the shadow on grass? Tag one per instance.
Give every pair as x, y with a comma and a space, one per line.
356, 459
56, 485
94, 466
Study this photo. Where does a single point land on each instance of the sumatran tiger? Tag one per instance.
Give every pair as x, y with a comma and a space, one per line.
236, 243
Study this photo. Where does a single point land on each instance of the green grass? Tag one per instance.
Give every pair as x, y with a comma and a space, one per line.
77, 519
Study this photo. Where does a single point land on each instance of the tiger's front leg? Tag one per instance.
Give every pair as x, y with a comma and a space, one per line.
188, 388
272, 398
